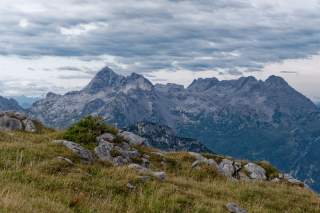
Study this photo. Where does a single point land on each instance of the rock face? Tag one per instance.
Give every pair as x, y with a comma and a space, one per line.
245, 118
16, 121
164, 138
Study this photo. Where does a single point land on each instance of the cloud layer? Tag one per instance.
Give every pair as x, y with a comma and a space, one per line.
231, 37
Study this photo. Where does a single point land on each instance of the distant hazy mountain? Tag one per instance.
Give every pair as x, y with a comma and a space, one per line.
25, 101
164, 138
245, 118
9, 105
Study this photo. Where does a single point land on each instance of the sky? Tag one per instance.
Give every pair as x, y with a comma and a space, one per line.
59, 45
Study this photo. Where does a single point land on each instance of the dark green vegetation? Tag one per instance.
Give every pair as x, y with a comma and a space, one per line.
87, 130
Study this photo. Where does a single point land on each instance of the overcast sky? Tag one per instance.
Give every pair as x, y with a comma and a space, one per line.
59, 45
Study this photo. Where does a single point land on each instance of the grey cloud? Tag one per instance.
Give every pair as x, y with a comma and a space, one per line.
37, 89
153, 35
289, 72
69, 68
74, 77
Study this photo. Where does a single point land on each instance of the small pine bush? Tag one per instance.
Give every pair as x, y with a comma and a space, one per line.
271, 171
88, 129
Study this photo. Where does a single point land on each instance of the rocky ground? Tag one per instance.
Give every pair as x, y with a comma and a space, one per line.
120, 172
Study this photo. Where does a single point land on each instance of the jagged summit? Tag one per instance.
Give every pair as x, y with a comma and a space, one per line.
104, 78
135, 82
202, 84
276, 81
52, 95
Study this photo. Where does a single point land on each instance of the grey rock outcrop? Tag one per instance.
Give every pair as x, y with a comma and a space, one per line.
29, 125
292, 180
107, 137
234, 208
145, 171
65, 159
103, 151
82, 152
8, 123
132, 138
16, 121
227, 168
255, 171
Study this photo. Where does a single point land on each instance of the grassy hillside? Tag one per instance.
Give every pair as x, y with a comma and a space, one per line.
33, 179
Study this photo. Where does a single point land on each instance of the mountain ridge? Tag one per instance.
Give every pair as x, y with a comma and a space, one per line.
9, 105
245, 117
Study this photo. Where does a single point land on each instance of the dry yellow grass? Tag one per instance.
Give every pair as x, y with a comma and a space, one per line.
32, 179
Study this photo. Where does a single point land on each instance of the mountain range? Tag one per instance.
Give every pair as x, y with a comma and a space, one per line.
245, 118
8, 104
164, 138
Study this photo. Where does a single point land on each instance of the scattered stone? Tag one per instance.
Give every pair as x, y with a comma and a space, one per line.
125, 146
29, 125
77, 149
18, 115
132, 138
255, 171
234, 208
8, 123
213, 163
292, 180
133, 154
160, 175
143, 170
65, 159
16, 121
145, 162
120, 161
226, 167
130, 186
275, 180
138, 168
197, 156
202, 160
107, 137
103, 151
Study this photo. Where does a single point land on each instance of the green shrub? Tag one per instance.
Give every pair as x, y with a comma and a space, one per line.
88, 129
271, 171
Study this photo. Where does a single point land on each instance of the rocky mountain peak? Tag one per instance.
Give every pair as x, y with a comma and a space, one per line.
276, 81
136, 82
202, 84
52, 95
104, 78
